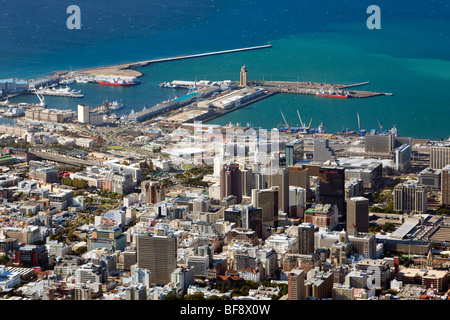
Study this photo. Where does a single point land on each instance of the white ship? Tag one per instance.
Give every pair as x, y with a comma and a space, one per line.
81, 80
60, 92
115, 105
67, 81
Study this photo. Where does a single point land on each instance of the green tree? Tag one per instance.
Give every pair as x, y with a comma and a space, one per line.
4, 259
195, 296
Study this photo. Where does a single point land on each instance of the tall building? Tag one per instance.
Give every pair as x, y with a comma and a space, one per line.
158, 254
231, 181
410, 197
260, 176
107, 235
153, 192
243, 78
439, 157
379, 143
305, 238
253, 219
322, 151
233, 214
294, 152
357, 215
280, 179
320, 286
402, 158
296, 284
445, 185
83, 113
299, 177
332, 188
267, 200
245, 216
297, 202
431, 178
248, 182
323, 215
119, 182
87, 117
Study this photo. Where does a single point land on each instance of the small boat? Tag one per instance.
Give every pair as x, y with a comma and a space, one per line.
67, 81
118, 82
116, 106
332, 94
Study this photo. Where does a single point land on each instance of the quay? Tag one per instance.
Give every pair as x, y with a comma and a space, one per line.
311, 88
214, 102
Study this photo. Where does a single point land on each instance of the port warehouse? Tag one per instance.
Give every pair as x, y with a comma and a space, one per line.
174, 104
225, 102
49, 115
11, 86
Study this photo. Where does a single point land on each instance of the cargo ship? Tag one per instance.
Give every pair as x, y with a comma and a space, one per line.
118, 82
331, 94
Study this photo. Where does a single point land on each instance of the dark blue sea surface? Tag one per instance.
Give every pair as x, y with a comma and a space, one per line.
321, 41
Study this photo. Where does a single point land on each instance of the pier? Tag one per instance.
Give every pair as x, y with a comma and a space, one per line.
127, 69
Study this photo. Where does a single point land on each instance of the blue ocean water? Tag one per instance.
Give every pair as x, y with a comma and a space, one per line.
321, 41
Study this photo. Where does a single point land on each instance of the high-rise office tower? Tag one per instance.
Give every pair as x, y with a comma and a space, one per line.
248, 182
439, 157
379, 143
299, 177
322, 151
243, 78
280, 179
297, 196
267, 200
445, 185
231, 181
410, 197
233, 214
260, 176
158, 254
357, 215
252, 218
153, 191
294, 152
296, 289
305, 238
332, 188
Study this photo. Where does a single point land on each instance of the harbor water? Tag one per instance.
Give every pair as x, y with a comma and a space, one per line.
326, 42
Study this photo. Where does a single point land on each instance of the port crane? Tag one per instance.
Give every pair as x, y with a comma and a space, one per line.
41, 98
287, 124
300, 118
381, 127
359, 122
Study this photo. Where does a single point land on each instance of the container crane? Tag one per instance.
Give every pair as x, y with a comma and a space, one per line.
287, 124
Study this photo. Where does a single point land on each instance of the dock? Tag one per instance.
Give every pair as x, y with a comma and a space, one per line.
311, 88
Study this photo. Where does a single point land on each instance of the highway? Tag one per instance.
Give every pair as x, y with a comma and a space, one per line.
67, 160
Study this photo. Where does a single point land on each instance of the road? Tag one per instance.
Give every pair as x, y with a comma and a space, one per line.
67, 160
